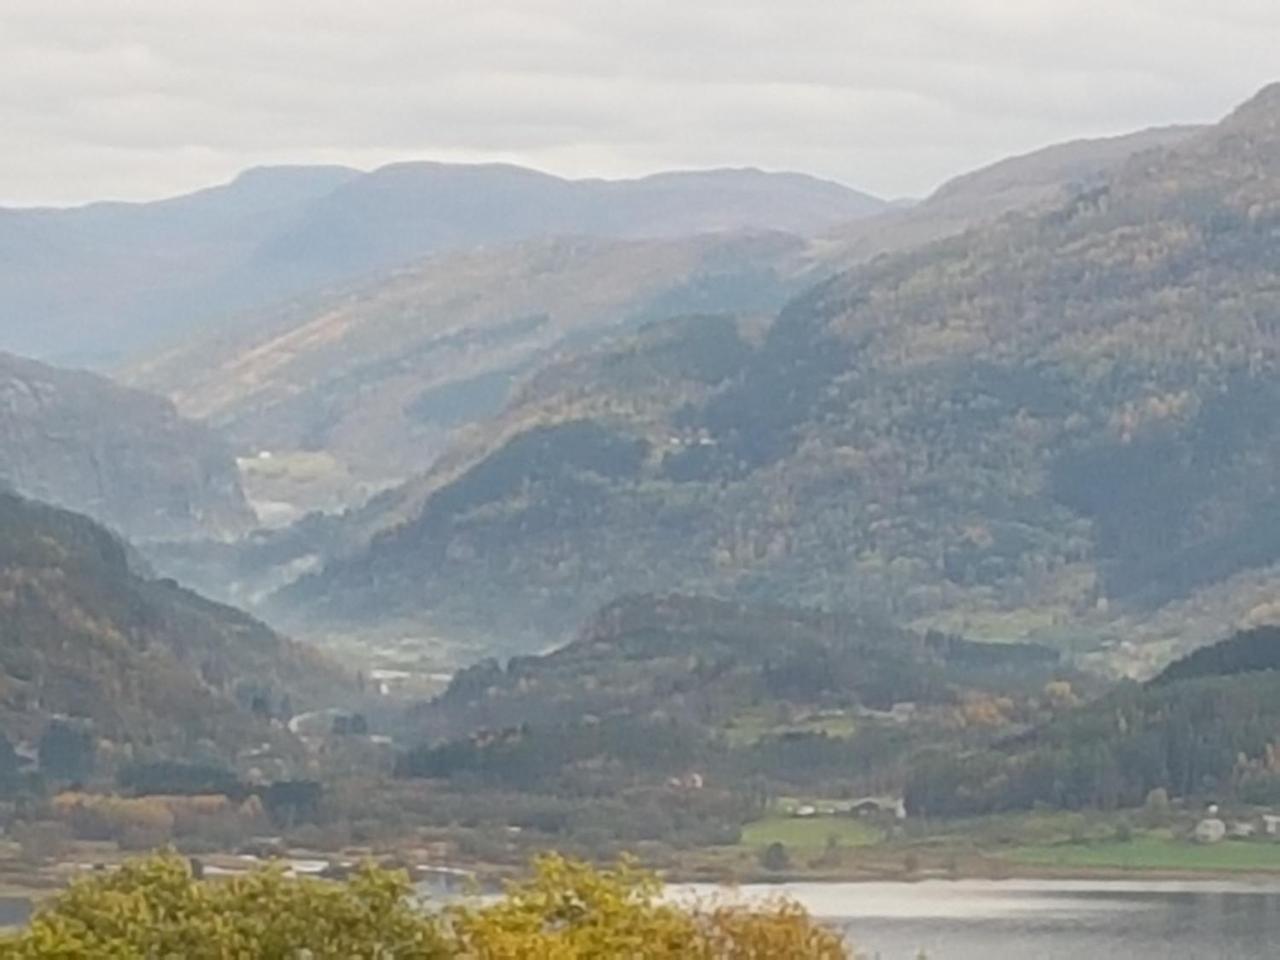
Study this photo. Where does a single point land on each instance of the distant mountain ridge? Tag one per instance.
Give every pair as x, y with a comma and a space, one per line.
90, 284
106, 282
122, 456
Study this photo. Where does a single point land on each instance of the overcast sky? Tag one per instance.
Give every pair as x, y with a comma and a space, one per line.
144, 98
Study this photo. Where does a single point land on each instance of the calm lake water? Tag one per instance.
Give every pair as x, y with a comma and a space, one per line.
14, 911
1048, 920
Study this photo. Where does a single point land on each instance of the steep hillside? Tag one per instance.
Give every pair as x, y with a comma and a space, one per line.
152, 668
1205, 729
1061, 416
107, 282
362, 387
124, 457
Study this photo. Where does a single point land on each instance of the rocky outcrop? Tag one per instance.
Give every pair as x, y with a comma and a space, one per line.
122, 456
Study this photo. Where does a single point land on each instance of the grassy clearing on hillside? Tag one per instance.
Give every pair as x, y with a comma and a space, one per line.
810, 833
752, 726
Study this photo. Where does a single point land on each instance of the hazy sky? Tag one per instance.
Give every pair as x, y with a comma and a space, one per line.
141, 98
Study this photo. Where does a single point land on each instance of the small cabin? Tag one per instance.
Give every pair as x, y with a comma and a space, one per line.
879, 807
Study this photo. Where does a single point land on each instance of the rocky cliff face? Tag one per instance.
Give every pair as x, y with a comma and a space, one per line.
124, 457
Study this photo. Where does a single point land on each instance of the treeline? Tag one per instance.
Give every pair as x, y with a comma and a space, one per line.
1247, 651
608, 750
686, 714
703, 661
1209, 727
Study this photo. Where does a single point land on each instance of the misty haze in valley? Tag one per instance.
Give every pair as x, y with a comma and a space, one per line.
827, 452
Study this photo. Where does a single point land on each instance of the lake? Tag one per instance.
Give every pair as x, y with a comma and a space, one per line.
14, 911
1047, 920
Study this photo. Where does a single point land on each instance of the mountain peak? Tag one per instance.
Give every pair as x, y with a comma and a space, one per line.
1262, 110
284, 172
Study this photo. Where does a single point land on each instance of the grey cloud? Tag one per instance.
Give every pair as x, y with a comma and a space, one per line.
142, 97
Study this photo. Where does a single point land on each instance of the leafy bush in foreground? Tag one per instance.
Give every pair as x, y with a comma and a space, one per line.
155, 908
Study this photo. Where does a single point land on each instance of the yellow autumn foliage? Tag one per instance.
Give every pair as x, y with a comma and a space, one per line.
572, 911
106, 817
155, 908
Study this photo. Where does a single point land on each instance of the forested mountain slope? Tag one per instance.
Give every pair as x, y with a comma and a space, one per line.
368, 383
1036, 179
122, 456
152, 669
1204, 729
1060, 413
707, 661
744, 695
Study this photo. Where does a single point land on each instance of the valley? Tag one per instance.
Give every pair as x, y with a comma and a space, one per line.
639, 481
953, 436
738, 521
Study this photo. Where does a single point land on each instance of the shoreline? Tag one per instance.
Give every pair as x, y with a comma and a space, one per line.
1020, 873
49, 879
970, 866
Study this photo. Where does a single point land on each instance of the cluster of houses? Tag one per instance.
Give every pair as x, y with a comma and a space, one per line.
870, 807
1214, 829
689, 782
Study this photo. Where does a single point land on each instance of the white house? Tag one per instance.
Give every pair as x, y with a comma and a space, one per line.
1210, 830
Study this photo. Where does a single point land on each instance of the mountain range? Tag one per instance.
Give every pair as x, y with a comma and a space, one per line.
1032, 404
360, 386
1058, 417
108, 282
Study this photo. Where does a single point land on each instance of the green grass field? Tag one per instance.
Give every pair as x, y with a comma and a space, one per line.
751, 726
809, 833
1152, 852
